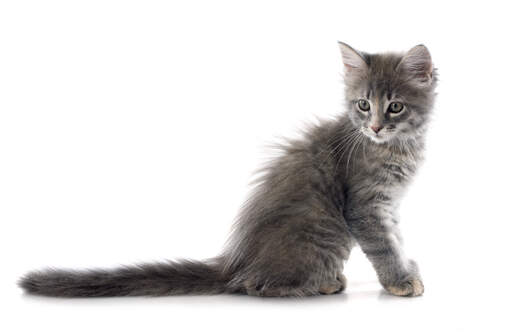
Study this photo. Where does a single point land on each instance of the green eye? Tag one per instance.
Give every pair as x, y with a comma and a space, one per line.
363, 105
395, 107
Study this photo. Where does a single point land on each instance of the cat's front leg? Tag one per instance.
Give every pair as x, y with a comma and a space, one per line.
380, 240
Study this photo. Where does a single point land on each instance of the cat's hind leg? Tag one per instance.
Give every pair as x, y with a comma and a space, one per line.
327, 287
334, 286
304, 269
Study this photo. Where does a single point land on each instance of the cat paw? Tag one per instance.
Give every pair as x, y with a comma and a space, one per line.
410, 288
334, 287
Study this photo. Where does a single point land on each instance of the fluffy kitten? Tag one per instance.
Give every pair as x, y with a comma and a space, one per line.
338, 186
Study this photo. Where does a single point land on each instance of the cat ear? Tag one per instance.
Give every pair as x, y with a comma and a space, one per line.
417, 62
353, 60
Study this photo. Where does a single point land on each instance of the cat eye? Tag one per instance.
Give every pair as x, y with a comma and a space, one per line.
363, 105
395, 107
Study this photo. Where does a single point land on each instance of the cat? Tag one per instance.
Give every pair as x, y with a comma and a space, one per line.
338, 186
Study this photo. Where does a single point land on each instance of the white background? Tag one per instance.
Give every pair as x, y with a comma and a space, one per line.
129, 131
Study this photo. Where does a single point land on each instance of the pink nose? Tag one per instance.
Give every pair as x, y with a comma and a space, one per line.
375, 128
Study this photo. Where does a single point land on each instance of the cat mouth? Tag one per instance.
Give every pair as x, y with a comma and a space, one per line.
375, 137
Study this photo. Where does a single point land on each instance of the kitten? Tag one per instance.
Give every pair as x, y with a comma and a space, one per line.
338, 186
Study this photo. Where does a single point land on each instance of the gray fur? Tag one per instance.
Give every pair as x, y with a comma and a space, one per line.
338, 186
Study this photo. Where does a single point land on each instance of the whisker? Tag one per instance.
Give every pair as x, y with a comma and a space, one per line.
355, 146
338, 141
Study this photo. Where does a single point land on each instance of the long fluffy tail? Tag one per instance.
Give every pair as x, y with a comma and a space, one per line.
170, 278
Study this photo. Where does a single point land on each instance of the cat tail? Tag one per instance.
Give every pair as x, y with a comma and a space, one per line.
158, 279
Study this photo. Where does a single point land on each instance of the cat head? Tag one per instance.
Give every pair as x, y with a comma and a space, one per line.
389, 96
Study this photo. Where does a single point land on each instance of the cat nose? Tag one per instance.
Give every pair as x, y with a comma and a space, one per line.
376, 128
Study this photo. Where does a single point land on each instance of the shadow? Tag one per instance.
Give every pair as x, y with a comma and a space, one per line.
365, 290
385, 296
188, 300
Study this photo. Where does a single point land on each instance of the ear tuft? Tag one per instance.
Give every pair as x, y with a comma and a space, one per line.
352, 60
418, 63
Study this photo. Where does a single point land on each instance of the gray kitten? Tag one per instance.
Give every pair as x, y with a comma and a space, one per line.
338, 186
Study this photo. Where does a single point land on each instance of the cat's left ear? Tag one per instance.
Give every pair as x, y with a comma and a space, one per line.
417, 62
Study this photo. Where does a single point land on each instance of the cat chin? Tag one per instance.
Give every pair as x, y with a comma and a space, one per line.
377, 139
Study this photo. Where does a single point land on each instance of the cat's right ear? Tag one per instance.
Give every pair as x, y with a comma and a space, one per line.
417, 63
353, 60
